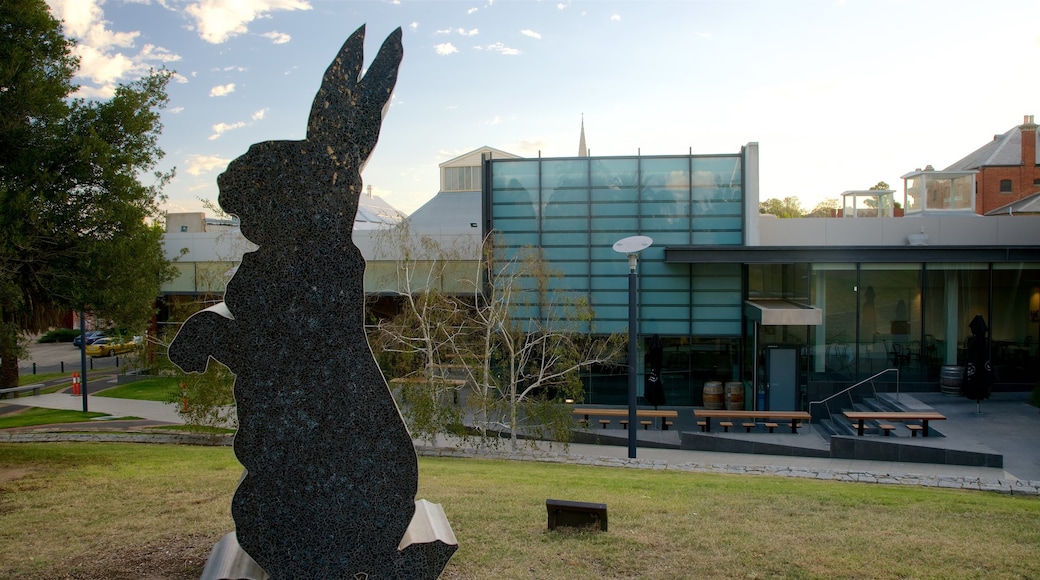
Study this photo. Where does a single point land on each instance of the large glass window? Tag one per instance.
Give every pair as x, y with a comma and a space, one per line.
461, 179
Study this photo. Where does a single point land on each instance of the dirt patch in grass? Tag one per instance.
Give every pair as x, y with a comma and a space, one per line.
174, 557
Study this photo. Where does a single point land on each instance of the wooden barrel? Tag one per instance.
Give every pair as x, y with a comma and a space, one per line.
735, 396
713, 395
950, 379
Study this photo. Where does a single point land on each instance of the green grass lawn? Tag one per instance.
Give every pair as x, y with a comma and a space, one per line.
163, 389
37, 416
89, 511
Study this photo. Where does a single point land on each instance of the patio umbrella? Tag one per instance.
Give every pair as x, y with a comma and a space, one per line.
978, 374
653, 390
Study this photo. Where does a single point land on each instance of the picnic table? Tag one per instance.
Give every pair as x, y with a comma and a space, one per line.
861, 417
663, 414
793, 416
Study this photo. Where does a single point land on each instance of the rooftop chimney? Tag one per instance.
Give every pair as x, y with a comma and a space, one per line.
1028, 129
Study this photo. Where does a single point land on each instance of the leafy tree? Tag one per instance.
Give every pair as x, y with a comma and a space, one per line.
880, 186
78, 230
824, 208
789, 207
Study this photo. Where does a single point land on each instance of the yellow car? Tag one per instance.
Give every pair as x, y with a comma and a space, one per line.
109, 347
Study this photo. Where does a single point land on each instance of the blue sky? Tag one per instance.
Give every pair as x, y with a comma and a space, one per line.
838, 94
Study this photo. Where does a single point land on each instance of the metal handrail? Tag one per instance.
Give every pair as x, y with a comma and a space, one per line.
869, 379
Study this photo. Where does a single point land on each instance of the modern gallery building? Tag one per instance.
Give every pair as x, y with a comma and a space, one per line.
794, 309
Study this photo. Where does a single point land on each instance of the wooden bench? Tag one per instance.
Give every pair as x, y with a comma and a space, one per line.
650, 414
13, 391
886, 428
563, 512
861, 417
795, 417
914, 429
603, 423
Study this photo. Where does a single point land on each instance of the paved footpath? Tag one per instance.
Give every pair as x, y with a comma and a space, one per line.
885, 472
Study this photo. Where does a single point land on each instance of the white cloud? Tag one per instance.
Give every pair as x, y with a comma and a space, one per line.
615, 17
445, 49
221, 128
501, 48
472, 10
222, 90
175, 110
106, 56
218, 20
471, 32
259, 115
531, 33
414, 26
277, 37
199, 164
443, 31
560, 6
497, 120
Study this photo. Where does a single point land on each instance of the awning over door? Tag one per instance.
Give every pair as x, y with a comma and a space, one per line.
776, 312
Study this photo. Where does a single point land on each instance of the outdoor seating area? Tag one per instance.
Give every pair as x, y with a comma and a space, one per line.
661, 419
793, 418
861, 418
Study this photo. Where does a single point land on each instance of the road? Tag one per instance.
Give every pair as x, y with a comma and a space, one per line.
62, 357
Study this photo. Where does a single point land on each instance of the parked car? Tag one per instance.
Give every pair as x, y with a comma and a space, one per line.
92, 336
109, 346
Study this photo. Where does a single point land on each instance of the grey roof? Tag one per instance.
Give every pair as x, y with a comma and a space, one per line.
448, 211
1029, 204
1004, 149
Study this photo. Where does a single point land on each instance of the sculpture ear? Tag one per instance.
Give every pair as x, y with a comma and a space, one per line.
348, 109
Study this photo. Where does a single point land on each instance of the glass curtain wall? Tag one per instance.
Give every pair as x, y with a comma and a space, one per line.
573, 210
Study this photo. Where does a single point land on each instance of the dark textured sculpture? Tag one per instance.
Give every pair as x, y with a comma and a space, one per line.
330, 470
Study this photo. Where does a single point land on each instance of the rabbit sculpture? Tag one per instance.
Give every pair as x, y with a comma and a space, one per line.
330, 471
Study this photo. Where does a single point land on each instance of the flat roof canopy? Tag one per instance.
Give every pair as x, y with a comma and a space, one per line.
776, 312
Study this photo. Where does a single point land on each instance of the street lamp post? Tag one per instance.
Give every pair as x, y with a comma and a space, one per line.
631, 246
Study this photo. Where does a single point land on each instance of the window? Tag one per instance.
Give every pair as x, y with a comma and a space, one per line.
1005, 186
461, 179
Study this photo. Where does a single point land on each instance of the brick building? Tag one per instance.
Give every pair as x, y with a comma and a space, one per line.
1007, 167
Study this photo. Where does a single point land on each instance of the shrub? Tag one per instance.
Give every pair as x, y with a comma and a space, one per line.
59, 335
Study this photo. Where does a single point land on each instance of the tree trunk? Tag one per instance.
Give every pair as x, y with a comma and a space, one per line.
8, 361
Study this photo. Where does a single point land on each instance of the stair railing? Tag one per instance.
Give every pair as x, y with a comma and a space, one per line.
848, 390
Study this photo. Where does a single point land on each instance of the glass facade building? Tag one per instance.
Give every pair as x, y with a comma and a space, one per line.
879, 307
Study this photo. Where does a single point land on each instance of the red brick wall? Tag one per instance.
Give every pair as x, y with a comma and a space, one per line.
987, 182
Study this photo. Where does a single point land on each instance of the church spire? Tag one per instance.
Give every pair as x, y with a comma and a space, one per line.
582, 150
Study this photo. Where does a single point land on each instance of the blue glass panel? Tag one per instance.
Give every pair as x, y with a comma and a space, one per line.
606, 209
656, 311
716, 328
561, 208
664, 327
565, 173
565, 238
720, 194
610, 269
514, 174
717, 208
716, 312
701, 298
665, 298
665, 173
567, 225
717, 223
615, 312
717, 239
612, 228
670, 238
517, 240
665, 209
572, 253
615, 195
507, 225
716, 171
524, 210
618, 172
653, 226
